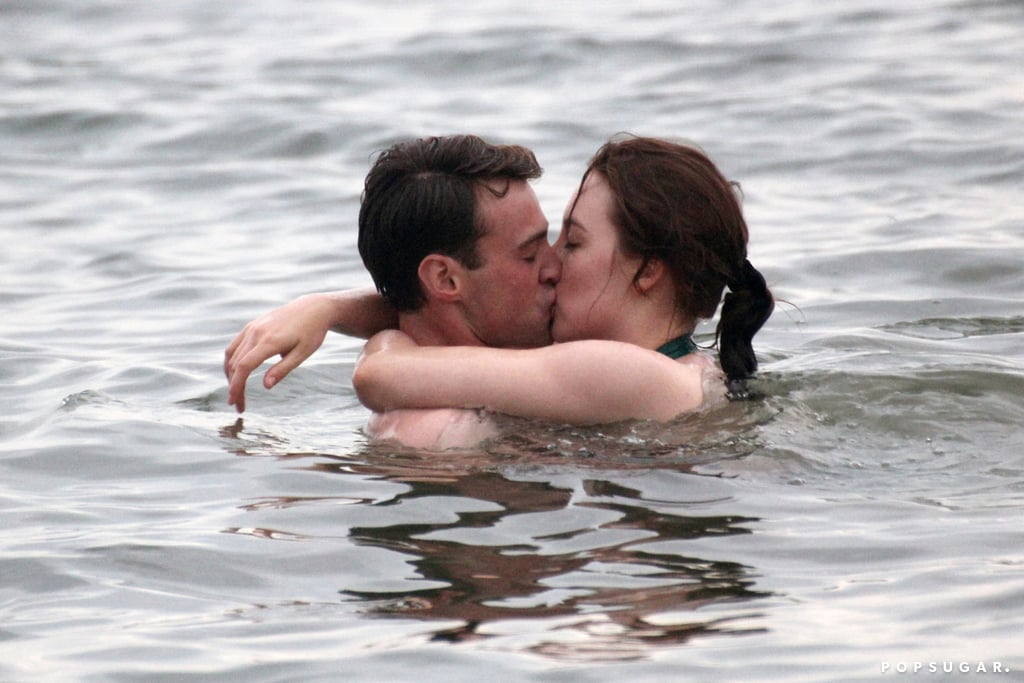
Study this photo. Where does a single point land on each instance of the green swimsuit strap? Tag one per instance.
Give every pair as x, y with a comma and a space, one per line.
678, 347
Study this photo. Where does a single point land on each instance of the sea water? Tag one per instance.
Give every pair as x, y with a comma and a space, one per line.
169, 171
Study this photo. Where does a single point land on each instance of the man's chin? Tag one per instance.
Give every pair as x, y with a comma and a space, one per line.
542, 342
544, 339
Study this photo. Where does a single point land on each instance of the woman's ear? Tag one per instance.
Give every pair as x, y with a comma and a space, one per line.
440, 277
649, 275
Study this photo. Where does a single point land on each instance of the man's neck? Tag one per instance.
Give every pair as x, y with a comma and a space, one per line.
430, 327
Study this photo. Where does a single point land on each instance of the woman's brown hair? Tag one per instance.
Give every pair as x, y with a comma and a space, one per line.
671, 203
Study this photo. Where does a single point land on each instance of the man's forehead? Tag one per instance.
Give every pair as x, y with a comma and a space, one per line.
515, 217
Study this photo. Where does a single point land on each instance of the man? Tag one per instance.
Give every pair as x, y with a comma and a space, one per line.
456, 243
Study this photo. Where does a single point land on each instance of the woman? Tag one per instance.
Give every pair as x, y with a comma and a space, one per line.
649, 243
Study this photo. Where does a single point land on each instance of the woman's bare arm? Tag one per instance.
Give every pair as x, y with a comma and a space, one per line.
585, 382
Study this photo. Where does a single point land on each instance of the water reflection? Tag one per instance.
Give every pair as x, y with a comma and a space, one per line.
568, 561
609, 575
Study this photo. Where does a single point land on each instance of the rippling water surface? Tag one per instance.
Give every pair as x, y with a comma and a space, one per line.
171, 170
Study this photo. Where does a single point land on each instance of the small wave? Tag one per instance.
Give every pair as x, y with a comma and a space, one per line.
73, 122
957, 328
87, 397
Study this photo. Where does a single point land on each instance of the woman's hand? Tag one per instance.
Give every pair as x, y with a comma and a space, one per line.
293, 331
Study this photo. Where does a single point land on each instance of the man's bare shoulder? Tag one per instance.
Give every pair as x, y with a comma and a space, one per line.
442, 429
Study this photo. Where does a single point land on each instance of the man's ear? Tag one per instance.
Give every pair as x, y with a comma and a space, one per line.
441, 277
649, 275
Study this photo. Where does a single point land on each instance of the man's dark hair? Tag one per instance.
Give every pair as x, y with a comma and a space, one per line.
420, 198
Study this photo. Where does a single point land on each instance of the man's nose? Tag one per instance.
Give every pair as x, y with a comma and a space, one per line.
551, 267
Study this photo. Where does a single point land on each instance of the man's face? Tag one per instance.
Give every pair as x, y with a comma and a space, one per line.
509, 299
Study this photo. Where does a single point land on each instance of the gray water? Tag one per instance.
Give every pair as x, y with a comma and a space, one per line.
169, 171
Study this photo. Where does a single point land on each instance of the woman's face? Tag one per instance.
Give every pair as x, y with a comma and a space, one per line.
597, 278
